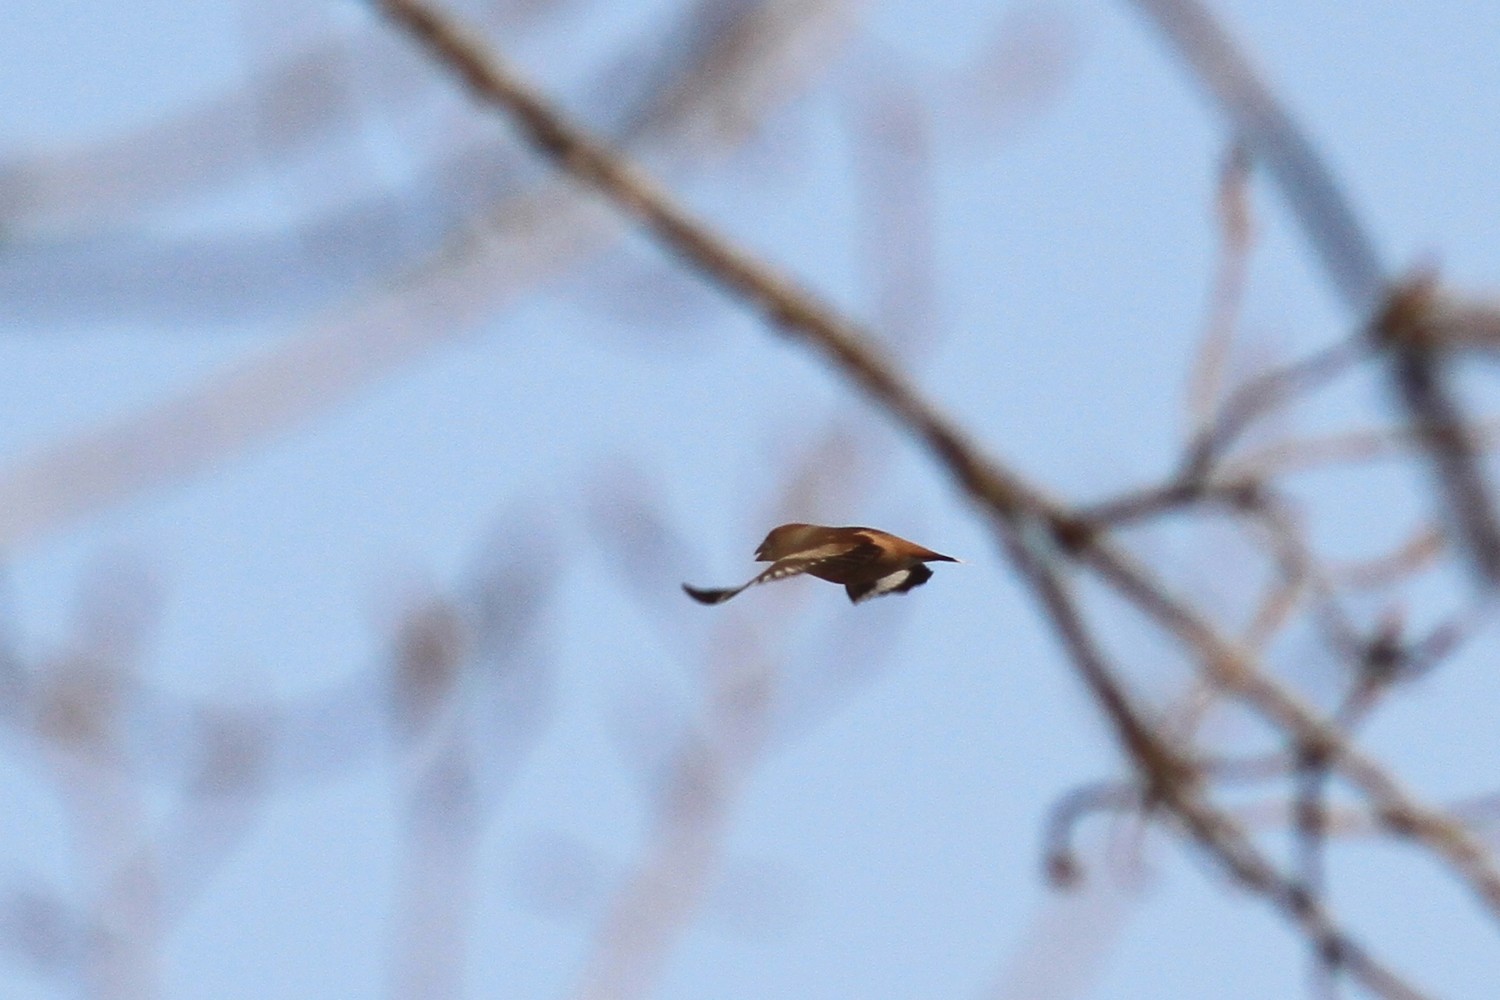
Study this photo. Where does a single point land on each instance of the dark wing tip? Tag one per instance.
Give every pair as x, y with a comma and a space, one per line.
703, 596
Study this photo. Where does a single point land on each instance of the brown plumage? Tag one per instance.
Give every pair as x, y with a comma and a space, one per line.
866, 561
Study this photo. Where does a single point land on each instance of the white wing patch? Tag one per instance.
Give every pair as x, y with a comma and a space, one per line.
886, 584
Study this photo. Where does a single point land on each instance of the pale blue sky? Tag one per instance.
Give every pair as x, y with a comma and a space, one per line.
888, 843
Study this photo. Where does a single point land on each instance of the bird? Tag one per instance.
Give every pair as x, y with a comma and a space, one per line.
867, 561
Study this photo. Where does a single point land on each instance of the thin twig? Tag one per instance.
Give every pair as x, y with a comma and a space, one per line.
1281, 458
1227, 293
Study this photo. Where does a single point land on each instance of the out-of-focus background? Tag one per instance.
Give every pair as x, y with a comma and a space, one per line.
350, 461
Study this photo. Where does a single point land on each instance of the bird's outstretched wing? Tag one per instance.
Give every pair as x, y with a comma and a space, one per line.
777, 571
826, 557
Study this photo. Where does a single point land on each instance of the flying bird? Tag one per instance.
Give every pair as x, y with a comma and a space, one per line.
866, 561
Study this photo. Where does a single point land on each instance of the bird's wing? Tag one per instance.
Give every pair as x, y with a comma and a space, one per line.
824, 555
849, 554
719, 595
